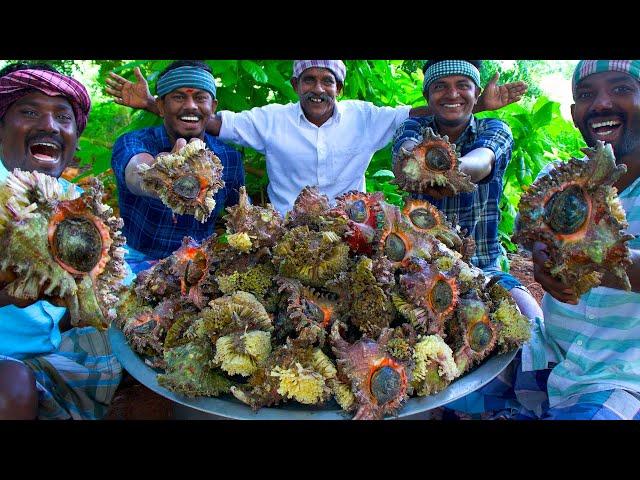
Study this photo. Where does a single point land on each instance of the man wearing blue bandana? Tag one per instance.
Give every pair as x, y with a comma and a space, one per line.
186, 101
317, 141
583, 362
452, 88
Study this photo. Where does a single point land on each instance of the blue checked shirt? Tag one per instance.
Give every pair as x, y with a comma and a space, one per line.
149, 225
478, 212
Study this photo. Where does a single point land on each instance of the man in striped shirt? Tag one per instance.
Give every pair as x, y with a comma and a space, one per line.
587, 351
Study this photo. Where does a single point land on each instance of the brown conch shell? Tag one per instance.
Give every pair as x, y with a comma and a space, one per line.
61, 244
186, 181
433, 163
428, 219
363, 212
378, 380
263, 226
431, 290
575, 211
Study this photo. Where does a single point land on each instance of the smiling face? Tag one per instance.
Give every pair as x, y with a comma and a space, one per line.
186, 112
38, 133
607, 108
317, 89
452, 99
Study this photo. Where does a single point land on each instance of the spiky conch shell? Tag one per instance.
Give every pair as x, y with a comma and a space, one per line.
193, 161
581, 255
363, 213
398, 231
476, 335
366, 303
309, 256
362, 362
304, 374
435, 365
414, 172
310, 312
433, 222
424, 286
192, 262
262, 225
35, 206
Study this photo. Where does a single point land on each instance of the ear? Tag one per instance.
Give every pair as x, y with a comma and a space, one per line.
478, 92
294, 83
160, 103
573, 116
339, 87
214, 105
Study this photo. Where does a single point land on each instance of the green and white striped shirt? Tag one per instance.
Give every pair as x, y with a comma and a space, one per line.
596, 343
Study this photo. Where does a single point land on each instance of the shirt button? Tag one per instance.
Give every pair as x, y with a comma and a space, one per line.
579, 343
591, 316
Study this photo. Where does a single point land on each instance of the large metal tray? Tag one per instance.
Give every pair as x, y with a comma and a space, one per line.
228, 406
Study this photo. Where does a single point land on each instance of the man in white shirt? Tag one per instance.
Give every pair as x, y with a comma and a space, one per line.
318, 140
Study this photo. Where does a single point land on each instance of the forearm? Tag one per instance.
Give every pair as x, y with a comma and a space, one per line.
478, 163
133, 178
213, 125
424, 111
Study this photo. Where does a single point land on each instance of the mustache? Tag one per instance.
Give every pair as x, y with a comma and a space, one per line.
605, 114
310, 95
46, 137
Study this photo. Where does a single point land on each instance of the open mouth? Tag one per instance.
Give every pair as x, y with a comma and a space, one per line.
316, 100
606, 129
45, 151
192, 119
452, 106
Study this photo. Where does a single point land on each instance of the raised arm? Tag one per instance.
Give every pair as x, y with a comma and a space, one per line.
137, 95
493, 97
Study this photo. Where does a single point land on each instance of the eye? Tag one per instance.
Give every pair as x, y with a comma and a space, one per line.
328, 82
583, 95
622, 89
29, 113
65, 117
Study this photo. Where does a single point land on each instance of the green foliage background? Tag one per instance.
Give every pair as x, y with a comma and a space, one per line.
540, 132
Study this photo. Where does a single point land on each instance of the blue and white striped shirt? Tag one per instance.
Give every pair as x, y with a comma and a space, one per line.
596, 343
478, 212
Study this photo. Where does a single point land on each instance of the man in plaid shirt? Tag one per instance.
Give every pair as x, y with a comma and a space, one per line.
187, 92
452, 87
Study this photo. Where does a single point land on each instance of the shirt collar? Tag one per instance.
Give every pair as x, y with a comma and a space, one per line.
337, 113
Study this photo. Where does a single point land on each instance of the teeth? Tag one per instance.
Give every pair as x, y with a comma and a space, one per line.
316, 100
604, 134
609, 123
46, 144
452, 105
189, 119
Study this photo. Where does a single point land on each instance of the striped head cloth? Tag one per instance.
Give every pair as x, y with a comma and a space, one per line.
337, 67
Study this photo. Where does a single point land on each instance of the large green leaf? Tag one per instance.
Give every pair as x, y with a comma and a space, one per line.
253, 69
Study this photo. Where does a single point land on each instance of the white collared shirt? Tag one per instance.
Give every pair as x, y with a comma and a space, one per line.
333, 157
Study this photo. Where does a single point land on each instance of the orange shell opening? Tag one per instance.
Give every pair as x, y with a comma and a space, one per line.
377, 365
78, 208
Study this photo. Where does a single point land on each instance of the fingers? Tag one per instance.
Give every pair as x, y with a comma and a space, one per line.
139, 76
116, 78
552, 285
494, 80
180, 143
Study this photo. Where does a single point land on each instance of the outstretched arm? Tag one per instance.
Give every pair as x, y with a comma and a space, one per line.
493, 97
138, 95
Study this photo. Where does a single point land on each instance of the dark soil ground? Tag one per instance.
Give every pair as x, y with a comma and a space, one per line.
134, 401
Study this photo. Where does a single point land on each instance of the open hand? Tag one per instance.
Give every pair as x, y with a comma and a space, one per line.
552, 285
127, 93
496, 96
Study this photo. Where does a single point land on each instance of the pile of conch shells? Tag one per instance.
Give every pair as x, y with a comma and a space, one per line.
361, 302
576, 212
